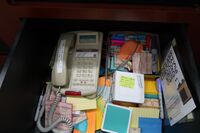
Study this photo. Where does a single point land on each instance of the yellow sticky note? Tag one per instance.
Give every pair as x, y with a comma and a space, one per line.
128, 82
142, 112
99, 117
81, 103
150, 86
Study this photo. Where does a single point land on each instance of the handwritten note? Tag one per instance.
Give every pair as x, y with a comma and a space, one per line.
128, 82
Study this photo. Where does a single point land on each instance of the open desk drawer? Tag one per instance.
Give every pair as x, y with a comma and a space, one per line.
27, 68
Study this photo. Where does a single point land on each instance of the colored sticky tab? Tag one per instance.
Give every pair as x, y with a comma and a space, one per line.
128, 82
150, 125
81, 103
91, 117
117, 43
142, 112
151, 96
118, 37
82, 127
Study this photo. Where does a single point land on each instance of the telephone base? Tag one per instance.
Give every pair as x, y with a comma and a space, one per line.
91, 96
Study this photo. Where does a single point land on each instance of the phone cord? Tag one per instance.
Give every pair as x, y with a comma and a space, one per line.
51, 112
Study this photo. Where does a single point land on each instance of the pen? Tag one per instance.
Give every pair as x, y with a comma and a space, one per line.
39, 105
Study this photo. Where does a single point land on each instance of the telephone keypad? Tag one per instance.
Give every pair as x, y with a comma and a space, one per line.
85, 73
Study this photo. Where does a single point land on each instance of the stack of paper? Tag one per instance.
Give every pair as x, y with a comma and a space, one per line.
150, 88
150, 103
142, 112
142, 63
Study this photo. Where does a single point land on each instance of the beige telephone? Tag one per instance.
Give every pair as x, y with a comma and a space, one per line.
77, 62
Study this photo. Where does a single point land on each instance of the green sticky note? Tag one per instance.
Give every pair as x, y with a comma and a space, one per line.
128, 82
116, 119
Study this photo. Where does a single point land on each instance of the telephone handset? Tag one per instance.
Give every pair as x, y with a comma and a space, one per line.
83, 77
60, 70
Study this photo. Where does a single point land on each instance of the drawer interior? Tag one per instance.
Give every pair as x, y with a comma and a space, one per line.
29, 69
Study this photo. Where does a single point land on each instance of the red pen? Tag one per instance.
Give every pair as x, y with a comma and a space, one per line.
72, 93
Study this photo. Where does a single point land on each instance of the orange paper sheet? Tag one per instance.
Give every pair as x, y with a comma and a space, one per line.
91, 116
101, 82
76, 131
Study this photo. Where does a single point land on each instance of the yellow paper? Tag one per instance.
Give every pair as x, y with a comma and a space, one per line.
150, 86
99, 116
100, 104
81, 103
127, 82
142, 112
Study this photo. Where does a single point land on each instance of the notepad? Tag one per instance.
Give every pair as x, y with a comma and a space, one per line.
150, 125
128, 87
150, 86
81, 103
116, 119
142, 112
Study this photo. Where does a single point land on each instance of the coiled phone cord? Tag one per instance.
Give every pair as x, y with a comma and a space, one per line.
50, 116
49, 128
53, 106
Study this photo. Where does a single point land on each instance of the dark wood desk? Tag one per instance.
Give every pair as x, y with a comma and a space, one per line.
10, 16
